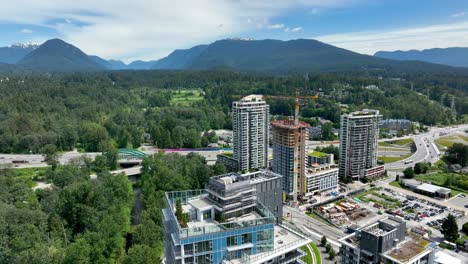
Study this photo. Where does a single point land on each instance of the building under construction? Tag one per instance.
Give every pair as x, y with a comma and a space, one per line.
289, 154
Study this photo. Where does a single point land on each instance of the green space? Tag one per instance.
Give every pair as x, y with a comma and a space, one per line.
318, 218
309, 257
397, 142
373, 195
31, 172
393, 159
229, 154
318, 257
317, 154
397, 184
457, 182
448, 141
185, 97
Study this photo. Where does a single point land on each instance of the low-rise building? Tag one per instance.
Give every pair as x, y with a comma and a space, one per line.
229, 162
321, 177
229, 224
426, 188
386, 242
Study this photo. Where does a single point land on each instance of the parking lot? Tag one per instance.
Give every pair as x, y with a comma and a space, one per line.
417, 212
459, 200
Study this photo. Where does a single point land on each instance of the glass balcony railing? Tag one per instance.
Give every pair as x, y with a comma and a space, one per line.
185, 196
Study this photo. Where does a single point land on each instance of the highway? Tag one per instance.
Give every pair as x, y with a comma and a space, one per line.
426, 149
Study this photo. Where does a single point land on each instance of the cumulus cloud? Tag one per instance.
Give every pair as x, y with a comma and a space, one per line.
26, 31
150, 29
296, 29
369, 42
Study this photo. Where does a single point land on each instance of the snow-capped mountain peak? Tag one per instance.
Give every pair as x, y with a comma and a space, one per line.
25, 45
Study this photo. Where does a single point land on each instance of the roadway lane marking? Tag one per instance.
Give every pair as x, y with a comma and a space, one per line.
320, 236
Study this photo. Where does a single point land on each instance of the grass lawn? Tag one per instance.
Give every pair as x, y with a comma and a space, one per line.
397, 142
307, 258
448, 141
318, 154
318, 257
393, 159
186, 97
386, 201
397, 184
30, 172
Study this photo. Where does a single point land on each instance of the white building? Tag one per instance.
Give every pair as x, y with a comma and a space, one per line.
359, 134
321, 177
250, 124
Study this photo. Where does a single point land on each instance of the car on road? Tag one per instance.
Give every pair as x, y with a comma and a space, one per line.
466, 205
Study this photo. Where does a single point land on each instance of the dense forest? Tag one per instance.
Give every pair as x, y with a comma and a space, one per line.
79, 221
92, 111
83, 220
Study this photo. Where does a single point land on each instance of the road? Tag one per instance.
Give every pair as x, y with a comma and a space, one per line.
301, 220
426, 150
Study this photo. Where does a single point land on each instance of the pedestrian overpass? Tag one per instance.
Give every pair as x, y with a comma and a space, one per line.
130, 156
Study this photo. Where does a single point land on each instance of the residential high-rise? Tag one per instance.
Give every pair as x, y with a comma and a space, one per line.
359, 134
250, 125
228, 223
289, 154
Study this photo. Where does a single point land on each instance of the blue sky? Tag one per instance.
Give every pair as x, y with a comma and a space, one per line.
151, 29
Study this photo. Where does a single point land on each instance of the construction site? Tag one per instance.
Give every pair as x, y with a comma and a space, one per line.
343, 212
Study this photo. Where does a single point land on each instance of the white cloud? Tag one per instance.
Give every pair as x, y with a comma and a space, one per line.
369, 42
150, 29
460, 14
275, 26
26, 31
296, 29
287, 29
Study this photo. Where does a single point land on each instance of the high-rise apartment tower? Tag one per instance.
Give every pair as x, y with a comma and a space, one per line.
359, 134
250, 125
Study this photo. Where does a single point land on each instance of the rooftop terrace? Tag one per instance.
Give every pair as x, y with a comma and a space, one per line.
410, 248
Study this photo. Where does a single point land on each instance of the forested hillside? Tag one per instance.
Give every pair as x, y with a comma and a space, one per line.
91, 111
79, 221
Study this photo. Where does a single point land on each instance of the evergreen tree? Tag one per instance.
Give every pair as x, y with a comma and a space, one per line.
450, 228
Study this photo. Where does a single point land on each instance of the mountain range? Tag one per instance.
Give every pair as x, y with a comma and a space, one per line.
457, 57
268, 56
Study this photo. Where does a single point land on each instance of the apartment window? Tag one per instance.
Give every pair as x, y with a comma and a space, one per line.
246, 238
232, 241
264, 235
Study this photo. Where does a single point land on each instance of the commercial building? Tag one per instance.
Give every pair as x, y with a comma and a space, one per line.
289, 154
228, 223
426, 188
358, 144
250, 125
386, 242
321, 177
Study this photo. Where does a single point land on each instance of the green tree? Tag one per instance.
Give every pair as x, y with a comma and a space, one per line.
408, 173
332, 254
465, 228
450, 228
328, 247
51, 155
323, 241
421, 168
397, 178
100, 164
141, 254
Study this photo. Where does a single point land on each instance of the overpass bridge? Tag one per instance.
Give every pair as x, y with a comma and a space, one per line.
133, 171
130, 157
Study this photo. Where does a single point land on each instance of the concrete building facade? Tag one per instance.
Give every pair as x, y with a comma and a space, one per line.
385, 242
250, 125
321, 178
359, 134
290, 154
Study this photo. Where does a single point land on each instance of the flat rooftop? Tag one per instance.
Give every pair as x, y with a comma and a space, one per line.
408, 249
